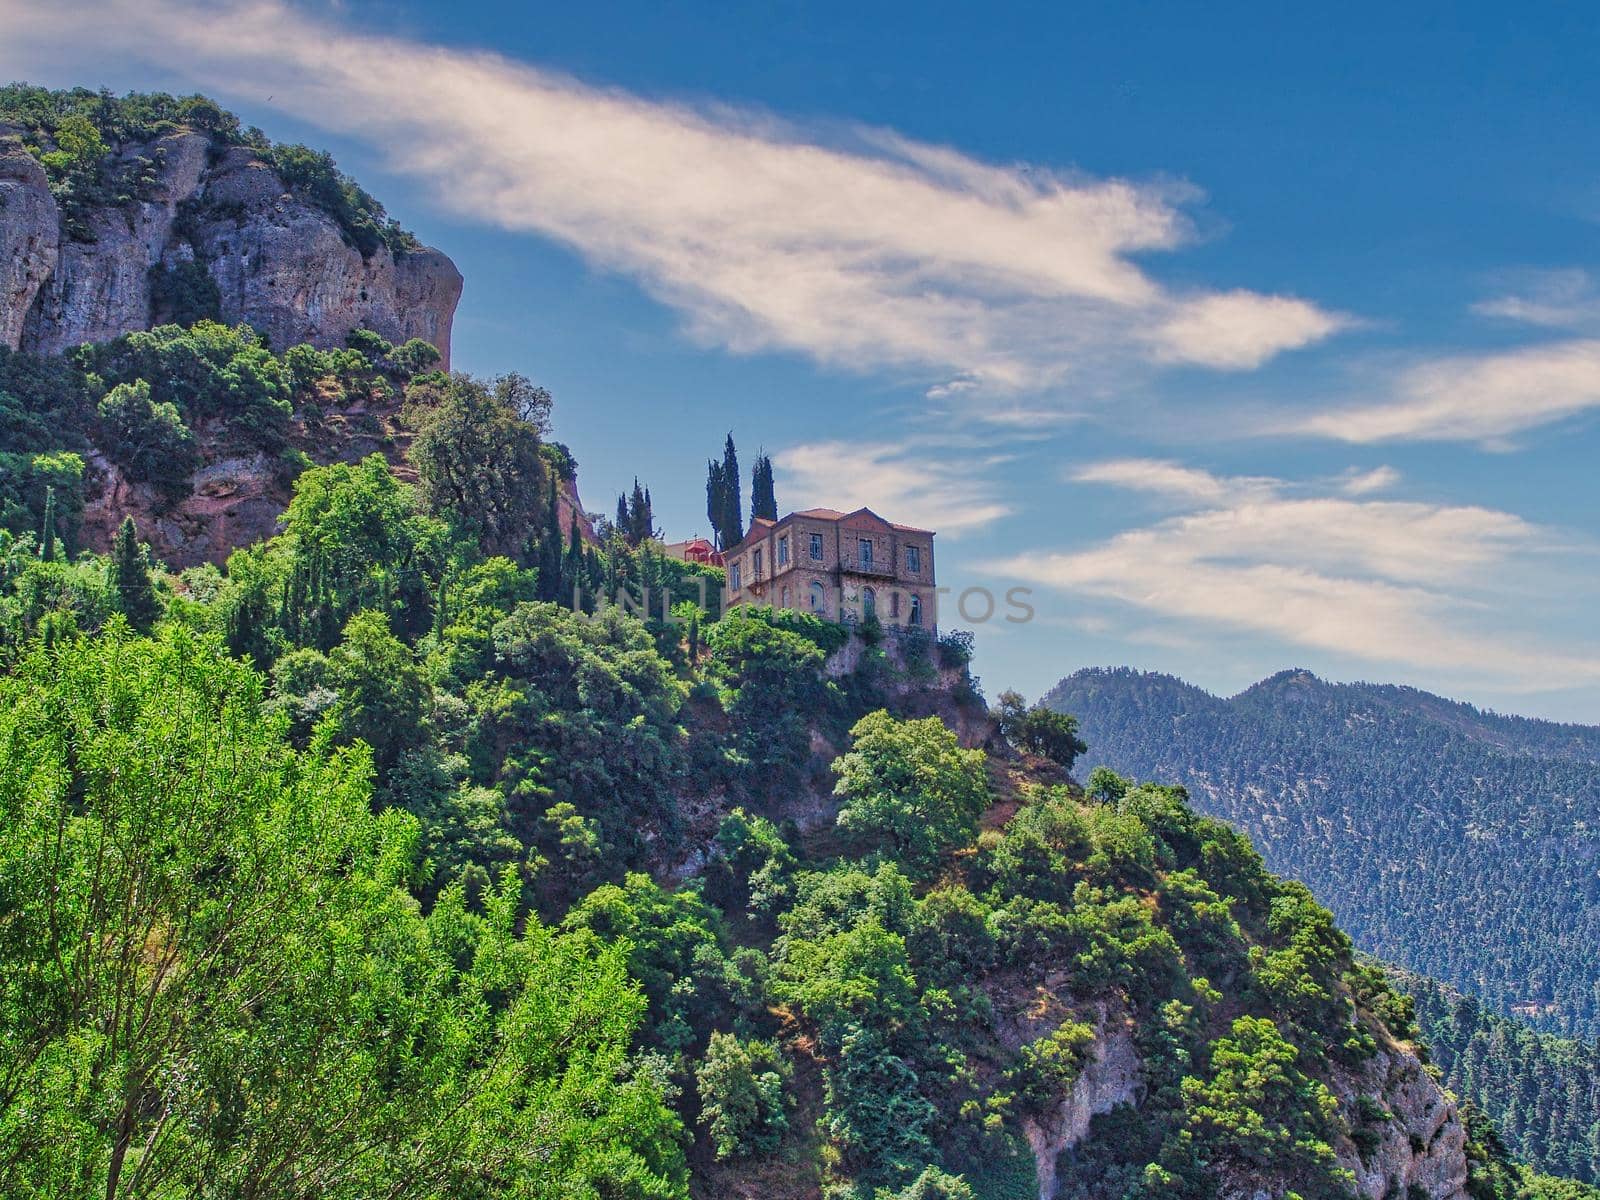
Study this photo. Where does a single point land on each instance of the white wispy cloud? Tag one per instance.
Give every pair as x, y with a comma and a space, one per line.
1484, 398
897, 480
1402, 584
1559, 299
1356, 482
867, 251
1174, 480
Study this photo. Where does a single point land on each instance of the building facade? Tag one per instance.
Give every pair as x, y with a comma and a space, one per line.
695, 550
840, 566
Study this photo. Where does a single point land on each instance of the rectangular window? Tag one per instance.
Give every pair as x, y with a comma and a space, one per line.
733, 576
914, 559
816, 547
755, 565
894, 604
783, 550
866, 551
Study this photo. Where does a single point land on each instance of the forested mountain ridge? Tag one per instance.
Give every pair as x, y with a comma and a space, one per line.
389, 857
1458, 844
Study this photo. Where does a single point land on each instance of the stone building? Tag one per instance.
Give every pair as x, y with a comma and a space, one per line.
841, 566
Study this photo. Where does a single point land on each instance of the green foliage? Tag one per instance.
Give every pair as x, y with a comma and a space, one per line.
910, 788
211, 974
583, 710
763, 499
183, 294
674, 947
1541, 1091
1255, 1104
383, 693
771, 678
743, 1104
31, 483
1049, 1066
150, 440
724, 509
753, 872
1040, 730
478, 463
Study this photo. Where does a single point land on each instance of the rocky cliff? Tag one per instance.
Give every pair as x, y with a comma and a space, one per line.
1414, 1140
277, 261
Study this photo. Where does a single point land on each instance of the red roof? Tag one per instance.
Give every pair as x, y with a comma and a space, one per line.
823, 514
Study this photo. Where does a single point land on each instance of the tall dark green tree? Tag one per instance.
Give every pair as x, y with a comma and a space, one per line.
763, 496
733, 506
573, 574
135, 591
636, 520
550, 547
47, 530
716, 500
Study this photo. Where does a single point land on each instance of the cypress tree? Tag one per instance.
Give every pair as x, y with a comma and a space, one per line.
763, 497
550, 549
716, 502
733, 505
572, 573
624, 517
47, 532
130, 576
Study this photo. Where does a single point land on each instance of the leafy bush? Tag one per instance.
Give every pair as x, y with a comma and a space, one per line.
742, 1099
910, 788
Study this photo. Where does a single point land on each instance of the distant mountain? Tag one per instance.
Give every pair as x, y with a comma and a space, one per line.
1542, 1091
1458, 843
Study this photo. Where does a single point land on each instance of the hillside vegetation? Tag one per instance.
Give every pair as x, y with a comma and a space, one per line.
447, 843
1458, 844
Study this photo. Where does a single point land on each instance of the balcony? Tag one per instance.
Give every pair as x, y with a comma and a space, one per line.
867, 566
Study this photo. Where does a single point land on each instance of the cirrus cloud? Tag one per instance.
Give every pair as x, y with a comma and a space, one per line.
1440, 588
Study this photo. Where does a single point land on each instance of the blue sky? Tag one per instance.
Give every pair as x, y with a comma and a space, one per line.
1246, 341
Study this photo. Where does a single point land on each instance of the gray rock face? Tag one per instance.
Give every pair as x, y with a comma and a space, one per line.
279, 263
1421, 1144
1112, 1076
30, 236
1420, 1148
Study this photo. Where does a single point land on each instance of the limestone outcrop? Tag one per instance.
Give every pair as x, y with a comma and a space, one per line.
278, 261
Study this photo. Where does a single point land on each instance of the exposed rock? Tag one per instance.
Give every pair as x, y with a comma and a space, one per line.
279, 262
1112, 1076
1422, 1144
30, 235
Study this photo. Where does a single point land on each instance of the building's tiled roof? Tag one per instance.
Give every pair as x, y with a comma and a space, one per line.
823, 514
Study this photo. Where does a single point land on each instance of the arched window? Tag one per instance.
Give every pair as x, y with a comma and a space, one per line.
819, 598
916, 611
869, 603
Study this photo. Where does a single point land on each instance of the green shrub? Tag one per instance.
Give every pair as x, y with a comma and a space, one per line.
742, 1098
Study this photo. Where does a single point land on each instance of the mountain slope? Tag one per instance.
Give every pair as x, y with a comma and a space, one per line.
1456, 843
